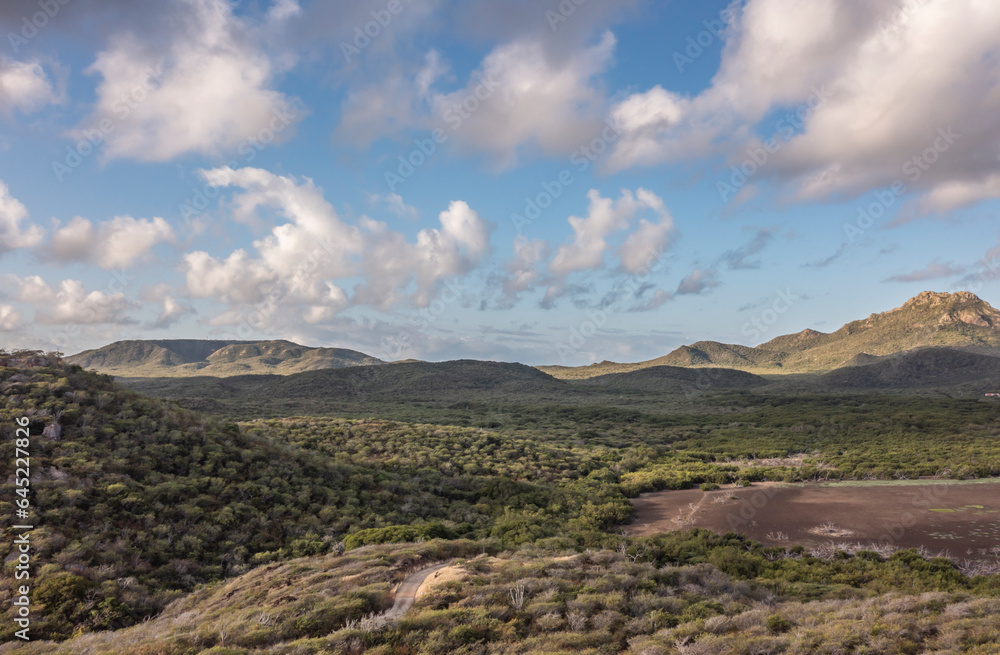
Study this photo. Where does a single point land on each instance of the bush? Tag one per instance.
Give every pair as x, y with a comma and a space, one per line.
709, 486
777, 624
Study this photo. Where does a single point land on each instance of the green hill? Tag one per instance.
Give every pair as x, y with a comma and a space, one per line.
921, 368
188, 357
411, 382
674, 379
136, 500
954, 320
708, 593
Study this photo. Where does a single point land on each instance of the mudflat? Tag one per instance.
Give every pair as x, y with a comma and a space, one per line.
958, 519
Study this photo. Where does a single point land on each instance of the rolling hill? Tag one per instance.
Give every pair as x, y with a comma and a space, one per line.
921, 368
674, 379
396, 382
191, 357
959, 320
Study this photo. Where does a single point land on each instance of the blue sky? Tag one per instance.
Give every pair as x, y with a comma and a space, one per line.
205, 169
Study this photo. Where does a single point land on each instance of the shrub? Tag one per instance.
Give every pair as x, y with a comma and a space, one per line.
777, 624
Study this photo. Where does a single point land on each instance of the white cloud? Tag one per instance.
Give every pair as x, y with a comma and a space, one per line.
12, 234
523, 272
524, 95
173, 311
645, 120
237, 279
113, 244
607, 223
10, 318
70, 303
650, 239
605, 217
540, 100
883, 76
296, 271
25, 86
206, 87
390, 263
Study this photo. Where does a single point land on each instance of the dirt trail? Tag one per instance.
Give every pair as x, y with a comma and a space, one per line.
406, 593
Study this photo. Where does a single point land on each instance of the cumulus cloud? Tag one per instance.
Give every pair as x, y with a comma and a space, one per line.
25, 86
605, 217
10, 318
523, 272
877, 85
933, 271
173, 311
523, 95
113, 244
300, 269
69, 303
13, 234
390, 264
541, 101
203, 87
609, 227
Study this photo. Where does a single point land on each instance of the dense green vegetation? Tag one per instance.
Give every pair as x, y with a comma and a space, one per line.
675, 594
141, 501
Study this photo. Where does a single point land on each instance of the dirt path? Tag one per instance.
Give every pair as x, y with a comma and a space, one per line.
406, 593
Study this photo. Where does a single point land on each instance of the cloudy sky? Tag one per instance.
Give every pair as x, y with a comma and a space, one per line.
536, 181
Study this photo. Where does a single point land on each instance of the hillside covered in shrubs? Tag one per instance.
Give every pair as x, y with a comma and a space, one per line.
138, 500
680, 594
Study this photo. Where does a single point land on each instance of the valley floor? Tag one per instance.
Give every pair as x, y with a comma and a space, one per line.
956, 520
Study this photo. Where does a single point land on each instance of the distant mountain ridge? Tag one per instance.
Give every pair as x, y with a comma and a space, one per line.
190, 357
959, 320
